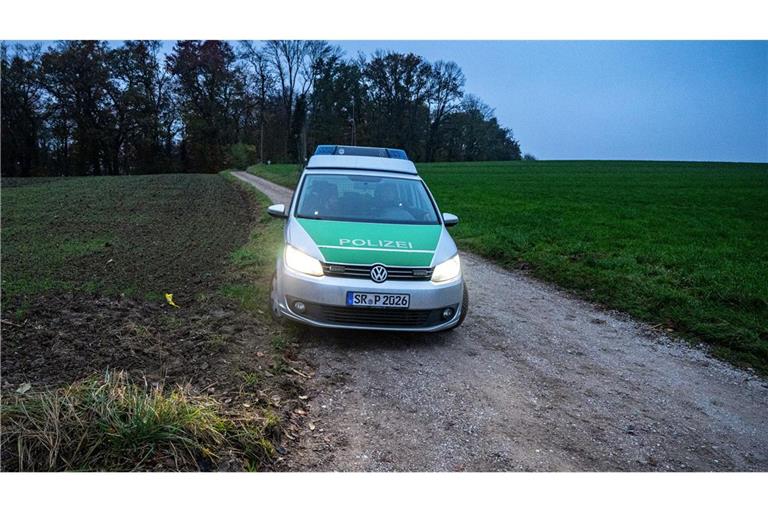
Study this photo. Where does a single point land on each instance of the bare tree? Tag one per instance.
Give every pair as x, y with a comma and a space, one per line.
294, 64
263, 82
398, 86
446, 92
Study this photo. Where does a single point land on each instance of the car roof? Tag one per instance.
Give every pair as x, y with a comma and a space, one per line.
362, 159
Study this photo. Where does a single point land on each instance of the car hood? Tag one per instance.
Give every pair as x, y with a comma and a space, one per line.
366, 243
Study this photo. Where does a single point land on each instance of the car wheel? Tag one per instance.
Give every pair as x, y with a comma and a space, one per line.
274, 309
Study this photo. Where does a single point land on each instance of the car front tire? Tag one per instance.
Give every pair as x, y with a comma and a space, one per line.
274, 308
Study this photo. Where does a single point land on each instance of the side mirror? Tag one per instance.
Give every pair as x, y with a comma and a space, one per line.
450, 219
277, 210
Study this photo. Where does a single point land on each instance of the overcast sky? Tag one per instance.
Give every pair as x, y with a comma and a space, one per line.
656, 100
616, 100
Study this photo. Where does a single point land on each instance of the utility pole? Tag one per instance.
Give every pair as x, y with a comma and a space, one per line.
354, 127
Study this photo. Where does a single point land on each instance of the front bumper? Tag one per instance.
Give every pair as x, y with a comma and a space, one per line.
325, 298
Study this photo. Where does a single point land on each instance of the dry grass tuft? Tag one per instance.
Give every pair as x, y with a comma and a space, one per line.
109, 423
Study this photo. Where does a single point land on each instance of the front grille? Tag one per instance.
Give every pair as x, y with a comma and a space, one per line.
364, 272
373, 317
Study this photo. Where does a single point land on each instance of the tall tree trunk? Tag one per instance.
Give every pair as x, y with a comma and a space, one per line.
261, 140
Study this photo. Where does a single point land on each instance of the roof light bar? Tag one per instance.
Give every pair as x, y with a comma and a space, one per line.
325, 149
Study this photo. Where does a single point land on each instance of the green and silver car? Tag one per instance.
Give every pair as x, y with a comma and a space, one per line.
366, 247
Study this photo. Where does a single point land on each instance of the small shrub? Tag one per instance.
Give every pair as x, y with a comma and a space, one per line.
241, 155
250, 379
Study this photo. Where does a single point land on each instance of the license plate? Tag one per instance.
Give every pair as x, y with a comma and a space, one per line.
378, 300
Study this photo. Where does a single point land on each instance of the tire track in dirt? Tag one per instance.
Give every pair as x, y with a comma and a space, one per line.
534, 380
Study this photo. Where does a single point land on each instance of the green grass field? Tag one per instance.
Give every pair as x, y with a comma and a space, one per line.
678, 244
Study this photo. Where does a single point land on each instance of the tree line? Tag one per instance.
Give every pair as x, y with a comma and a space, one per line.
94, 108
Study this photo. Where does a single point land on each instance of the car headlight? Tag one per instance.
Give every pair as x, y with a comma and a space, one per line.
447, 270
301, 262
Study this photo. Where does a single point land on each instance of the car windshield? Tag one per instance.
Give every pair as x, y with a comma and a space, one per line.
365, 199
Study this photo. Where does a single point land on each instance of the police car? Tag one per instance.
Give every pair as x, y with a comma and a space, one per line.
366, 247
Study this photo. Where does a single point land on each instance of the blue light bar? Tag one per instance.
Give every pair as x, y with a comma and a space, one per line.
325, 149
397, 153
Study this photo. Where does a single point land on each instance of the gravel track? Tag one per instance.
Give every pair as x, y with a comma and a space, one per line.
535, 380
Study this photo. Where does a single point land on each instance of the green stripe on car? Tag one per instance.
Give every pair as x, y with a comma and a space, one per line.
366, 243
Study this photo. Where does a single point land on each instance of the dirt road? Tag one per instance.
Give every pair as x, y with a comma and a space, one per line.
535, 380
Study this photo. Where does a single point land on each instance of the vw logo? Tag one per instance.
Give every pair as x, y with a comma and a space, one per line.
378, 274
